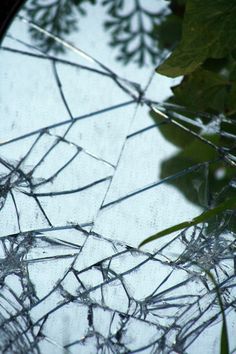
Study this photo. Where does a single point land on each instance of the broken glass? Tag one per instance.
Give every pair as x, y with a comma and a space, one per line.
92, 161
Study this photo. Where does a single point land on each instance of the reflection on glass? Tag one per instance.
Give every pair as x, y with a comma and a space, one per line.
86, 173
131, 25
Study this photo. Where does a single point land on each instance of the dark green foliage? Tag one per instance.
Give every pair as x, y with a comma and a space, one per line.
224, 342
202, 90
204, 36
205, 56
205, 216
168, 31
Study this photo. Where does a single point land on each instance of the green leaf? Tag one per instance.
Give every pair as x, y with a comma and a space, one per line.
202, 90
216, 65
231, 100
227, 204
224, 343
168, 32
204, 36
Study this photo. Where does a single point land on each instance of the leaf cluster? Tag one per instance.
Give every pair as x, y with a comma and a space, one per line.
203, 35
205, 55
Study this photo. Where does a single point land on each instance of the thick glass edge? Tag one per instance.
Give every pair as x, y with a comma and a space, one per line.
8, 10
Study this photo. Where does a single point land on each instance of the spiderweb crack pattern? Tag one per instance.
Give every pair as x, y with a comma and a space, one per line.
65, 286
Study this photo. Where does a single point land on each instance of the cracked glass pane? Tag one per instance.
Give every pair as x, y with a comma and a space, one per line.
93, 161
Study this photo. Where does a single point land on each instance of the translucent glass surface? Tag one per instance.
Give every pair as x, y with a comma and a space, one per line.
86, 174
